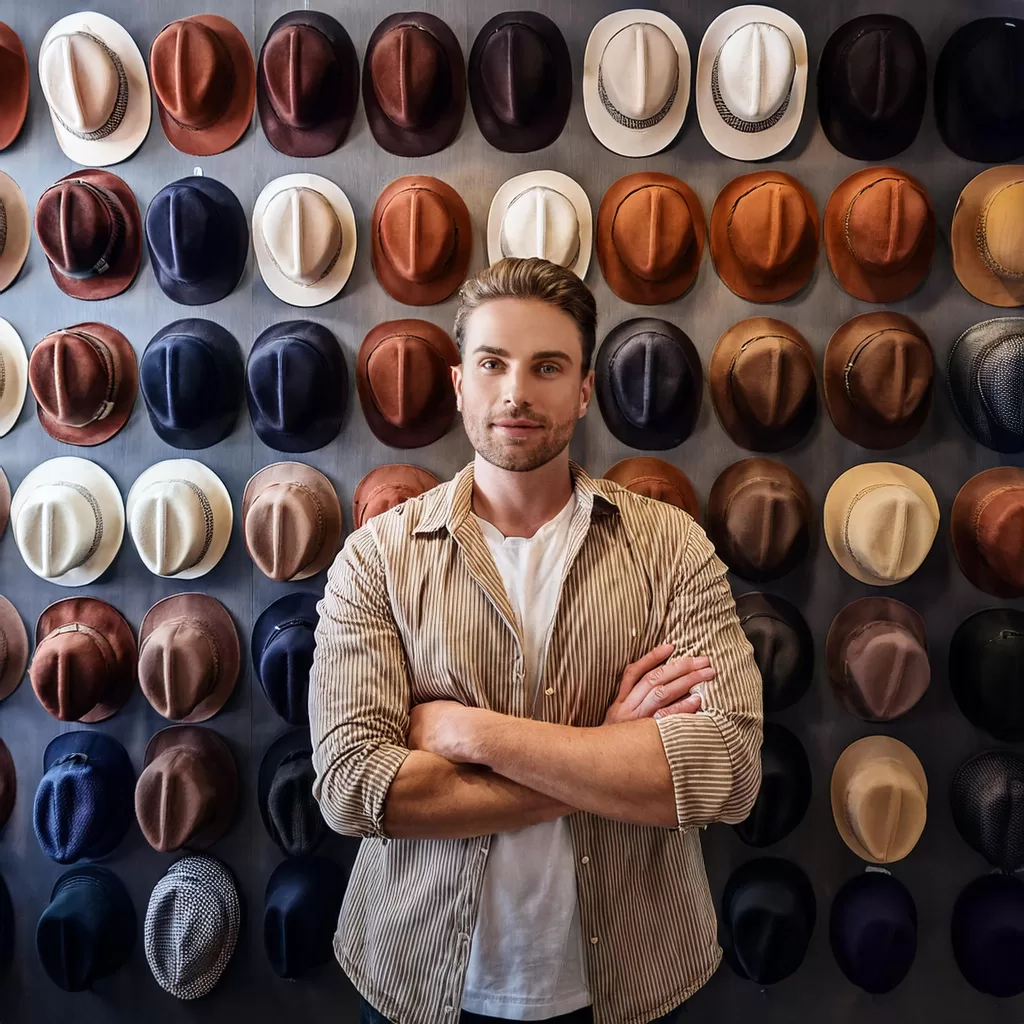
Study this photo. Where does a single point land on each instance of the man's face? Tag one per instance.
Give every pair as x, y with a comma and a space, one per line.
520, 385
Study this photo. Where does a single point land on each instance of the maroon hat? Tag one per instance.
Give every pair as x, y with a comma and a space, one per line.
387, 486
13, 648
14, 84
987, 524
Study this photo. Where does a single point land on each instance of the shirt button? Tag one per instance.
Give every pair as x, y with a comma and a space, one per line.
448, 1009
593, 940
633, 631
549, 691
584, 860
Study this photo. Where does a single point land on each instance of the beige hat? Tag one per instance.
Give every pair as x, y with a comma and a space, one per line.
13, 376
14, 230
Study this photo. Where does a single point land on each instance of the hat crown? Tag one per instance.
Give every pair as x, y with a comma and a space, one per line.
778, 654
70, 670
294, 814
887, 668
179, 666
172, 525
889, 530
650, 377
69, 805
885, 807
285, 664
1000, 363
756, 66
765, 522
881, 68
175, 798
541, 222
418, 233
302, 75
181, 381
303, 234
992, 74
411, 77
284, 528
885, 224
80, 81
407, 378
73, 377
186, 223
767, 227
58, 528
1000, 236
999, 531
653, 231
80, 227
771, 379
192, 73
987, 798
517, 73
889, 376
639, 72
385, 497
287, 380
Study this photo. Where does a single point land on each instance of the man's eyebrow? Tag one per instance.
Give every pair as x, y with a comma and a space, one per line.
552, 353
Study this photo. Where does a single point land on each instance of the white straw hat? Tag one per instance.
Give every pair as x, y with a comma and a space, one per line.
14, 230
13, 376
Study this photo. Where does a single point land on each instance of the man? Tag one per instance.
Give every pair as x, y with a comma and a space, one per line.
530, 687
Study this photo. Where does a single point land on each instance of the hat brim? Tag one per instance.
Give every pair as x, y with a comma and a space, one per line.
378, 478
14, 99
14, 632
15, 361
639, 468
967, 505
295, 741
299, 605
19, 231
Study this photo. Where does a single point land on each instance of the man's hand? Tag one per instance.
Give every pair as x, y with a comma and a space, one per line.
650, 689
442, 727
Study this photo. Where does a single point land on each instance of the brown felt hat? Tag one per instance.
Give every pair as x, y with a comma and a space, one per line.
84, 664
189, 657
292, 521
8, 784
763, 384
764, 236
188, 789
204, 79
13, 648
878, 374
387, 486
879, 233
15, 230
90, 230
650, 237
420, 240
14, 85
84, 379
655, 478
987, 524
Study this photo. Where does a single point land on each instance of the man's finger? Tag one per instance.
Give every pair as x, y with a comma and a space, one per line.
664, 675
664, 694
686, 706
635, 671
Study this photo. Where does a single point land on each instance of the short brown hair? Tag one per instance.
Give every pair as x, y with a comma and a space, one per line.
513, 278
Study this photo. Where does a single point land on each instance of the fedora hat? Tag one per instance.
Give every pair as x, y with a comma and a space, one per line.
68, 520
649, 383
83, 667
783, 647
764, 236
205, 83
384, 487
307, 84
179, 517
404, 382
880, 521
13, 377
543, 214
414, 84
987, 929
13, 657
14, 85
304, 234
89, 227
650, 237
751, 81
8, 780
985, 524
759, 518
282, 653
636, 81
95, 85
14, 221
291, 520
189, 657
987, 801
657, 479
290, 812
84, 379
763, 384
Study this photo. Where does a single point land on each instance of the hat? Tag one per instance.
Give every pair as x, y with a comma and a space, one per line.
307, 84
84, 379
282, 653
636, 81
205, 83
649, 383
95, 84
879, 798
650, 237
985, 523
13, 376
14, 218
5, 501
751, 81
385, 487
192, 925
404, 382
90, 229
304, 234
764, 236
179, 517
420, 240
190, 376
83, 668
783, 646
763, 384
13, 656
759, 518
68, 520
292, 521
189, 657
414, 84
14, 85
8, 778
987, 930
188, 789
987, 800
880, 521
83, 805
290, 812
545, 214
872, 80
657, 479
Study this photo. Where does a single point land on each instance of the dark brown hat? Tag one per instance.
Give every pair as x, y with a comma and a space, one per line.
650, 237
879, 233
84, 664
84, 379
404, 382
878, 373
188, 789
987, 524
387, 486
89, 227
876, 655
13, 648
764, 236
414, 84
205, 83
189, 657
763, 384
8, 784
655, 478
14, 84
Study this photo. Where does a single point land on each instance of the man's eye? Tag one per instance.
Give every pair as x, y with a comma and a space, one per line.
488, 363
549, 366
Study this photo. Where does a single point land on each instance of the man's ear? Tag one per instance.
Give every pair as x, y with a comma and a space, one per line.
456, 372
586, 390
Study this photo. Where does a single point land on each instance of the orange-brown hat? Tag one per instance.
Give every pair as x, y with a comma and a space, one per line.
987, 524
655, 478
385, 487
14, 82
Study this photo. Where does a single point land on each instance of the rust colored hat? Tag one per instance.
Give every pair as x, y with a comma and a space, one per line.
404, 383
763, 384
878, 374
879, 233
759, 518
205, 83
14, 85
83, 668
655, 478
8, 784
987, 524
90, 229
764, 236
421, 240
13, 648
387, 486
189, 657
84, 379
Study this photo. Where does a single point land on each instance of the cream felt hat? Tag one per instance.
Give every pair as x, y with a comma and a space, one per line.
14, 230
13, 376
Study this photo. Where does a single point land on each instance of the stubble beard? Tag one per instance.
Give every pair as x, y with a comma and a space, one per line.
518, 454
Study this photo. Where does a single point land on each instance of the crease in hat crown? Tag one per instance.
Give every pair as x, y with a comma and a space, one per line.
752, 77
541, 222
59, 528
162, 525
878, 530
303, 235
638, 75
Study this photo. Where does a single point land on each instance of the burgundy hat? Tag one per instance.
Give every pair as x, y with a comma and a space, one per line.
987, 524
13, 648
655, 478
14, 85
387, 486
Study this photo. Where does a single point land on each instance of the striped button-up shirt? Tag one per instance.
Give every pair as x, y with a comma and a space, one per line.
415, 610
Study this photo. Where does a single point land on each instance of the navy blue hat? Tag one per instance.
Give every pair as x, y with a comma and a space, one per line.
87, 930
191, 380
988, 934
290, 812
282, 653
296, 386
198, 240
86, 797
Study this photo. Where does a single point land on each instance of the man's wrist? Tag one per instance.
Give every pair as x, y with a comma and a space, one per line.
470, 743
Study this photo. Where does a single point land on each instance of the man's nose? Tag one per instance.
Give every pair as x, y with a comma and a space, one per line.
516, 388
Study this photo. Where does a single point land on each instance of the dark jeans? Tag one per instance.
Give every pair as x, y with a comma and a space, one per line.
368, 1015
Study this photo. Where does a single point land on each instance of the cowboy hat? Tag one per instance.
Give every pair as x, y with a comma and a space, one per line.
384, 487
13, 376
14, 85
985, 524
657, 479
14, 229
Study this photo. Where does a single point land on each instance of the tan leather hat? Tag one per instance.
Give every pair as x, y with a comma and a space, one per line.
13, 648
987, 523
655, 478
385, 487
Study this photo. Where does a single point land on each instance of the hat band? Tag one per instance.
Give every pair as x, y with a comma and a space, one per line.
113, 122
633, 122
94, 634
282, 626
846, 528
96, 512
3, 652
106, 261
737, 123
107, 405
3, 226
207, 508
981, 240
3, 374
848, 368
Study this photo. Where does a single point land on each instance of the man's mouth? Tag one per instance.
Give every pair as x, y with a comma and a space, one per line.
517, 427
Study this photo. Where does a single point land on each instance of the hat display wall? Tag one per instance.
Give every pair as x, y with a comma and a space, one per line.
987, 929
13, 653
384, 487
783, 647
13, 376
290, 812
282, 646
657, 479
14, 85
987, 801
14, 223
985, 524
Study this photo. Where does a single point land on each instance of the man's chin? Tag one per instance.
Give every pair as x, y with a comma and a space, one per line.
520, 455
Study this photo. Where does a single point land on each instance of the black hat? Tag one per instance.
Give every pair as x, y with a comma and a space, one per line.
987, 799
988, 934
6, 926
649, 383
282, 653
783, 646
289, 810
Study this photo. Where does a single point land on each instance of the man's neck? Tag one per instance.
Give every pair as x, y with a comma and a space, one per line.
519, 504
